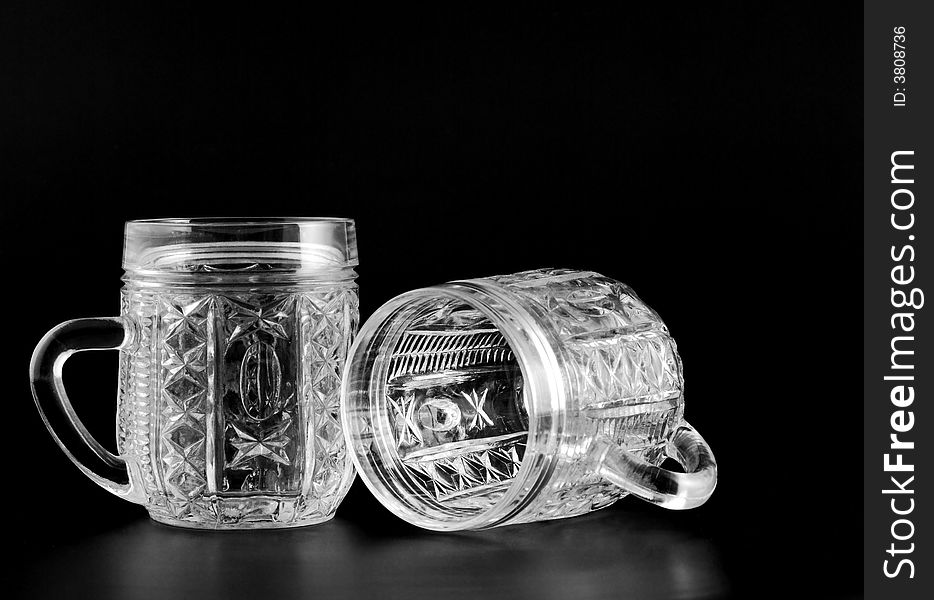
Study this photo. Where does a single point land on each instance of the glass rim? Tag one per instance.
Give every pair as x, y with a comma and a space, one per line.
233, 221
546, 399
226, 246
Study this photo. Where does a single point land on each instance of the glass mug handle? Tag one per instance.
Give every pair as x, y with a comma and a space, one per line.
48, 390
666, 488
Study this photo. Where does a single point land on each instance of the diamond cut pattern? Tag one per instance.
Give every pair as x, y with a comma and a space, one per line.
184, 393
454, 474
628, 378
270, 445
267, 316
192, 348
325, 319
408, 432
628, 369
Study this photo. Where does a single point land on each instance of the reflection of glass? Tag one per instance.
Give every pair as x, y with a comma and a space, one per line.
232, 336
616, 555
533, 396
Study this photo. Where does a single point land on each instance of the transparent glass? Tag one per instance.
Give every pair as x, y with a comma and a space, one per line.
232, 337
502, 400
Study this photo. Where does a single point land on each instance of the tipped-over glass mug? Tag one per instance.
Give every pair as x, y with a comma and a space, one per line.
502, 400
232, 337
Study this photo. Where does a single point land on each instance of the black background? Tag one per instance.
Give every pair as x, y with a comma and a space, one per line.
709, 156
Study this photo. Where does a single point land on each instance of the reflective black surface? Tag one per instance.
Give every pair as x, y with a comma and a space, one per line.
623, 553
630, 550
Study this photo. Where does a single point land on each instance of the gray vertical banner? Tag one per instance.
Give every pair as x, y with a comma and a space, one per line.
898, 299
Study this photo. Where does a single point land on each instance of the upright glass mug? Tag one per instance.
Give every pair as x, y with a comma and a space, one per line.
539, 395
232, 337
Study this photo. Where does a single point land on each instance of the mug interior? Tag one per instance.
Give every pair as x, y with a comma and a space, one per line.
437, 410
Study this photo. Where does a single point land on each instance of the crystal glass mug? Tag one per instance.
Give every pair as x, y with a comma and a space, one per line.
539, 395
232, 336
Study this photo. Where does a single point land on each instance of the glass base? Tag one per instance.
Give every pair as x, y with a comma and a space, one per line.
243, 512
240, 525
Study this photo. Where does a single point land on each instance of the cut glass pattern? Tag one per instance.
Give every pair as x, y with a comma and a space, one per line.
258, 394
184, 397
438, 402
232, 336
455, 398
243, 399
628, 382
